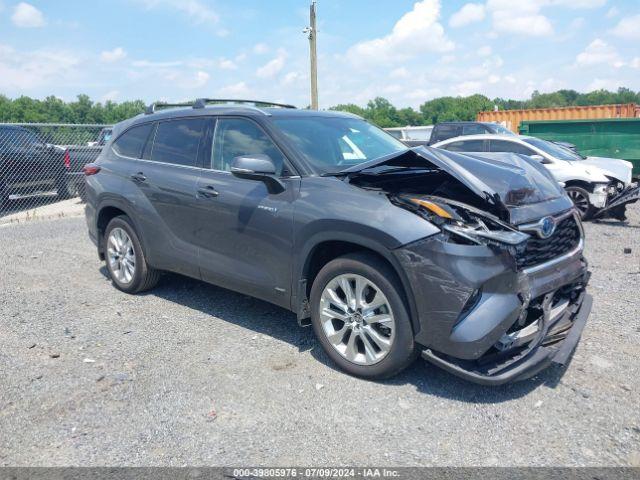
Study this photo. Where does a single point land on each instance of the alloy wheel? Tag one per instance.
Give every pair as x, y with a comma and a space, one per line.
356, 318
579, 200
121, 255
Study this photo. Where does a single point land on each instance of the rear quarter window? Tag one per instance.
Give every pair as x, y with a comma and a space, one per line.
131, 142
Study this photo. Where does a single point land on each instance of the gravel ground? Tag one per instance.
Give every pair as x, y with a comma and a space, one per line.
191, 374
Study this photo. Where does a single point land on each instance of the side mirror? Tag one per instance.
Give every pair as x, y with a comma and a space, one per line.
538, 158
257, 167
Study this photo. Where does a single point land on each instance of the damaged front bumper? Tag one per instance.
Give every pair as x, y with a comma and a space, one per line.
630, 194
483, 318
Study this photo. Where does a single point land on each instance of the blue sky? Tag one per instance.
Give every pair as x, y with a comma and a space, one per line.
404, 50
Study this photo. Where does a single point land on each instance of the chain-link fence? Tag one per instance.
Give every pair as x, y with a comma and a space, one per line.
42, 163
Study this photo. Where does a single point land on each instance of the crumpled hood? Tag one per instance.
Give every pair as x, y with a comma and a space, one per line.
612, 167
509, 183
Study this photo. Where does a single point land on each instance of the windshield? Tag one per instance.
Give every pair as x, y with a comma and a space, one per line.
332, 144
556, 151
419, 134
500, 130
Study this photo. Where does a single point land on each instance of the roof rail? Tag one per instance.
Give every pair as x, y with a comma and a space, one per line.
157, 105
202, 102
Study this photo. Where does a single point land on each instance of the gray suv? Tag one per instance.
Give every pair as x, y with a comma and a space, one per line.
471, 261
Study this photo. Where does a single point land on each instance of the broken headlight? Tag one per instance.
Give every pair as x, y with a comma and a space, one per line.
467, 225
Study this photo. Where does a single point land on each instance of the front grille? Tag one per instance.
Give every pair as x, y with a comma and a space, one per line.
541, 250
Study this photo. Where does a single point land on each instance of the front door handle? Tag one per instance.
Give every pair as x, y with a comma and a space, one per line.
208, 192
139, 177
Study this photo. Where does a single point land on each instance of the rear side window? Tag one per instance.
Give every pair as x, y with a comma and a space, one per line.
511, 147
473, 129
236, 137
466, 146
177, 141
444, 132
131, 142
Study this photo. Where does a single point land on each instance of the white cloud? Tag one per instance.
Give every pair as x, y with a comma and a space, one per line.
484, 51
261, 48
578, 3
628, 28
493, 78
604, 83
400, 72
469, 13
612, 12
520, 18
23, 70
198, 11
26, 15
293, 77
417, 32
599, 52
226, 64
152, 64
635, 63
188, 82
110, 96
273, 67
235, 90
110, 56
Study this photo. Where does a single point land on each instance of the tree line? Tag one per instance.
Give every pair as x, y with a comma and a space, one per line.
379, 111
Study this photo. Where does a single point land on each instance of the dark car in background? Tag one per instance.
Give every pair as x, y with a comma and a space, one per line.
29, 166
388, 252
445, 130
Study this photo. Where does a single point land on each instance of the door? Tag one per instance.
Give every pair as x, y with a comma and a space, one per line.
167, 176
245, 234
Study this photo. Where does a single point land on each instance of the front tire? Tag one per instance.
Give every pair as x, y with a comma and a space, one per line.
580, 198
360, 317
125, 260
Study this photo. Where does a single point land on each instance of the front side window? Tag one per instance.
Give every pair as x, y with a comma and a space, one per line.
465, 146
236, 137
509, 147
177, 141
332, 144
131, 142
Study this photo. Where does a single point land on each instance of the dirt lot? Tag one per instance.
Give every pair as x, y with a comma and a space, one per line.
194, 374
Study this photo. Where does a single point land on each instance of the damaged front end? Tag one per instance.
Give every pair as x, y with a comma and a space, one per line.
618, 197
500, 292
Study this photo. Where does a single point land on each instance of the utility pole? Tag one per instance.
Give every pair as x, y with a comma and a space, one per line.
312, 33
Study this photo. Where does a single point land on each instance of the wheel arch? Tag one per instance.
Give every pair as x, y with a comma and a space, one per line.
588, 186
318, 253
108, 210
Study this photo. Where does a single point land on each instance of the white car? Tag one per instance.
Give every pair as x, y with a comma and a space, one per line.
593, 183
412, 136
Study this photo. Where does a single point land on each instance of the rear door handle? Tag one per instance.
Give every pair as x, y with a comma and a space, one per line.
139, 177
208, 192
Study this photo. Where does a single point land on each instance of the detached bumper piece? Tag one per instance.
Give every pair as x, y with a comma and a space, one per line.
616, 205
547, 332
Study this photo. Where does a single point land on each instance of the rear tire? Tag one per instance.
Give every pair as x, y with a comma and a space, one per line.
4, 194
66, 188
124, 258
580, 198
372, 343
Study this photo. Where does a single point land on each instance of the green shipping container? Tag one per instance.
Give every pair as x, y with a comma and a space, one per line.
606, 137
